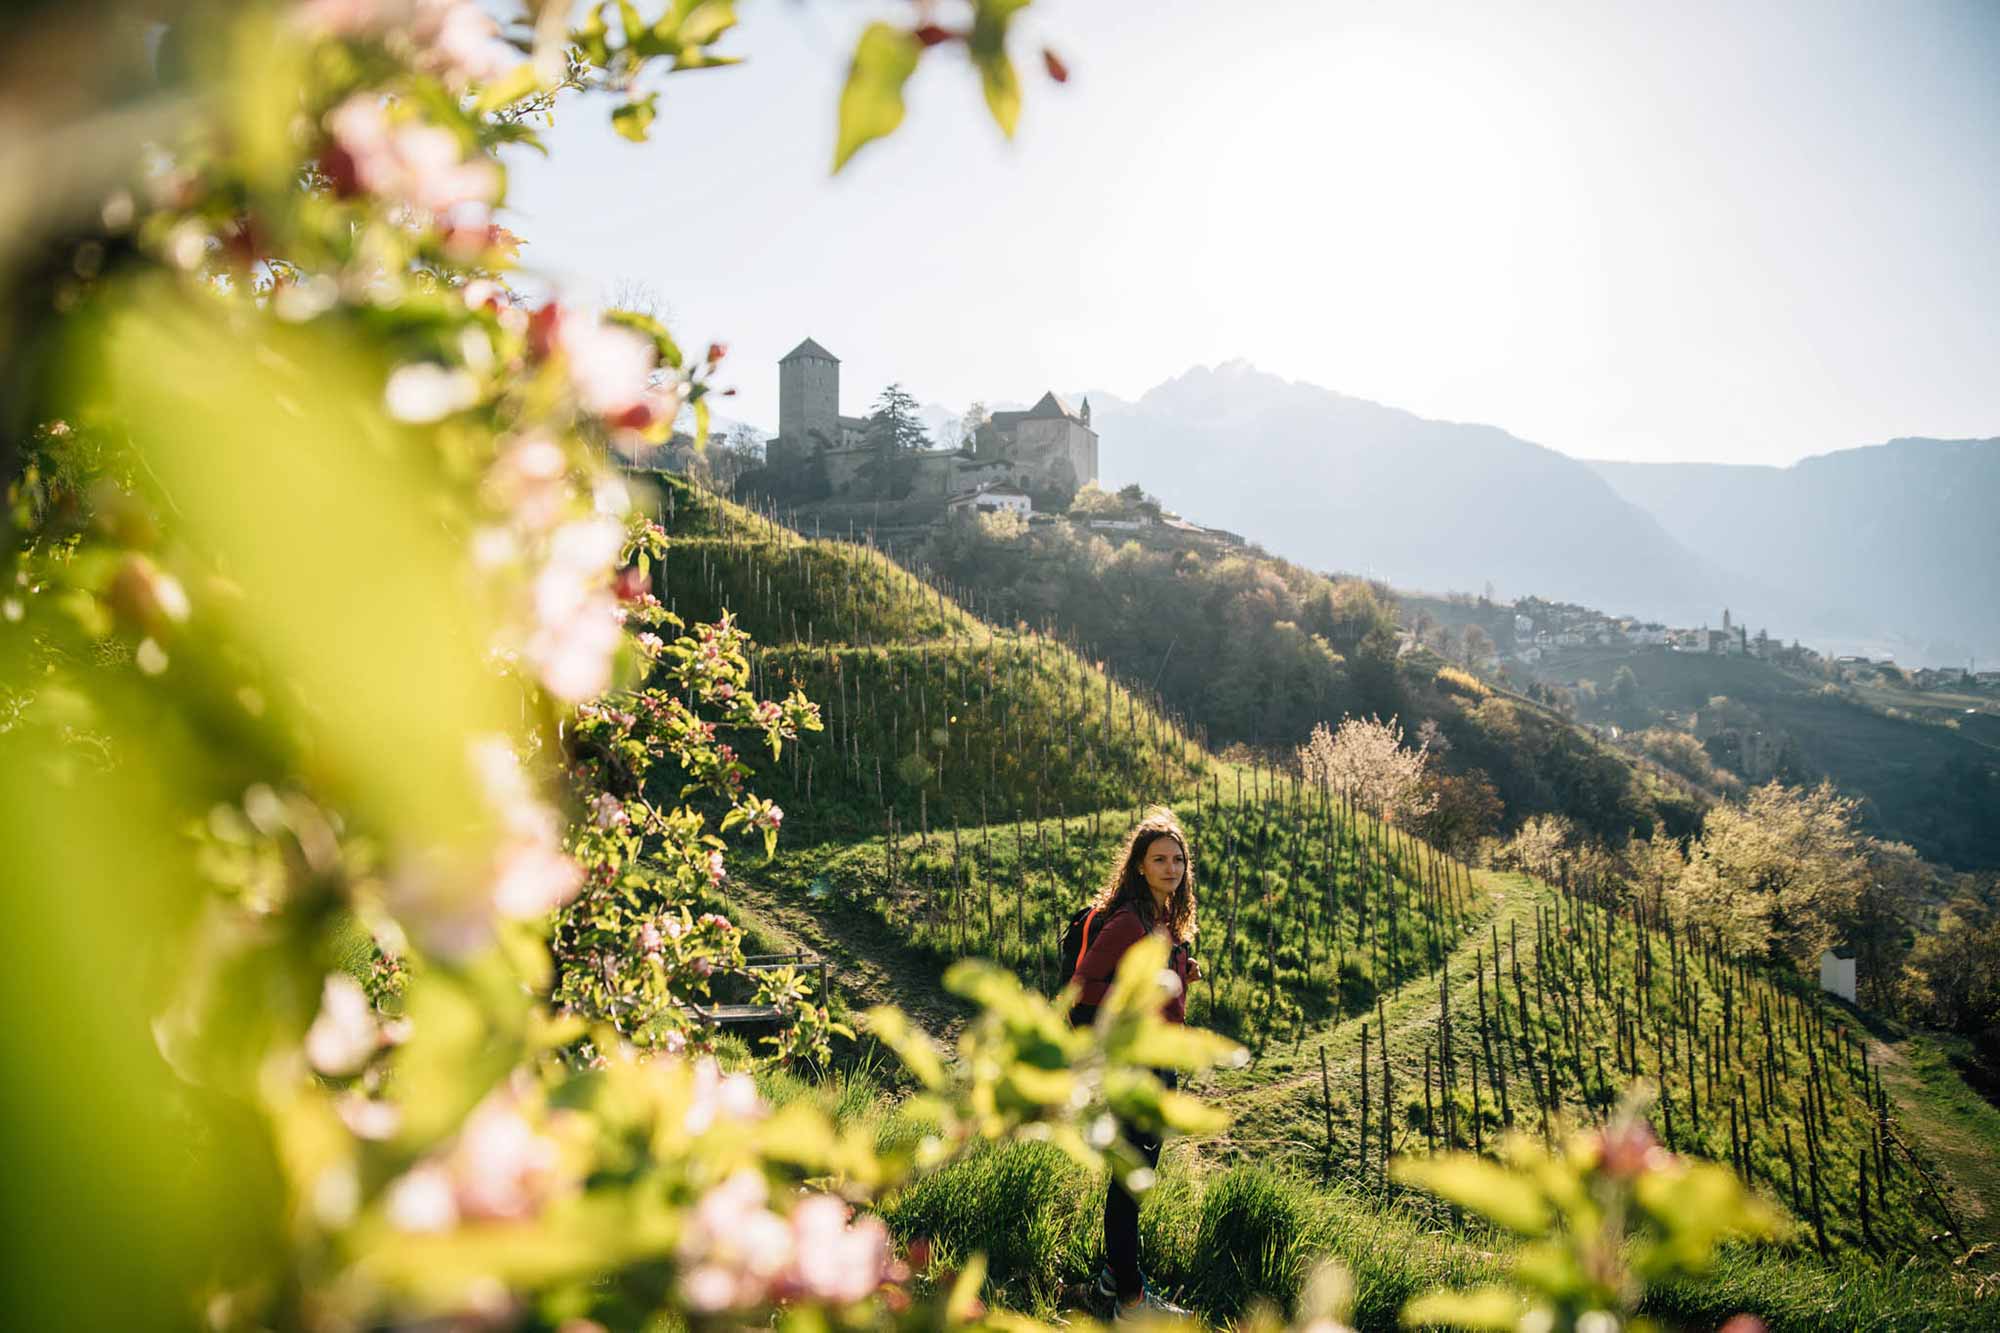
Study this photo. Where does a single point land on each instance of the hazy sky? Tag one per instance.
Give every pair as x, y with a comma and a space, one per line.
1648, 231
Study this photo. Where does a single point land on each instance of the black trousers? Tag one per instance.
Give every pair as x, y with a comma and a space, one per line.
1121, 1209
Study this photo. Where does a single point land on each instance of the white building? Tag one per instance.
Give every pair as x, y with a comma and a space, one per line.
991, 500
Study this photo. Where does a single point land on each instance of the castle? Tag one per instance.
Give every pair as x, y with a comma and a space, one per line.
1049, 450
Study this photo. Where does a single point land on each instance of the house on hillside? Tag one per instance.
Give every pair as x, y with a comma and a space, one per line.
997, 498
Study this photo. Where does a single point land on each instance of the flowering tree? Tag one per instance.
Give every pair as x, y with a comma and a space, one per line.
1366, 760
358, 794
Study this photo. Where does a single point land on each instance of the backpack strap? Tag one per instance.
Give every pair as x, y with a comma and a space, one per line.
1084, 948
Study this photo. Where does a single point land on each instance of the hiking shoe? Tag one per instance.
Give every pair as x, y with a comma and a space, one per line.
1151, 1305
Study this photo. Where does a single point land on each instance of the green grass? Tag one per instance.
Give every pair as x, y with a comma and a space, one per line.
1954, 1124
1222, 1239
1307, 912
981, 834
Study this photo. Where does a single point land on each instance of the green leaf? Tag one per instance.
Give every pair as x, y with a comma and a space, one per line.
1003, 89
1480, 1308
708, 21
965, 1291
912, 1046
670, 352
1188, 1114
871, 105
634, 120
509, 88
1164, 1045
1475, 1183
988, 47
634, 26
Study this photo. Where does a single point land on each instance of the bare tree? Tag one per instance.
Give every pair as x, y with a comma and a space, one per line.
640, 297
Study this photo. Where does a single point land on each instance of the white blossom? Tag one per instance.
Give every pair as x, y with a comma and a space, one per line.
343, 1036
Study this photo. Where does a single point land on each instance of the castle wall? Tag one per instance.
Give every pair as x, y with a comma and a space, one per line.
1055, 452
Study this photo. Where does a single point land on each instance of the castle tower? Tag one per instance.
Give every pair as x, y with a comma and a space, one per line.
808, 402
1725, 620
1085, 414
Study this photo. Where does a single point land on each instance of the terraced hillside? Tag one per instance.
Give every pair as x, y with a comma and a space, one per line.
972, 786
933, 717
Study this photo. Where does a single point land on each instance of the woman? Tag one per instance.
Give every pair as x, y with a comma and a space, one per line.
1151, 891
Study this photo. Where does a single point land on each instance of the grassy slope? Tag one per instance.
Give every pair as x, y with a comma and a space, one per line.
1957, 1127
892, 911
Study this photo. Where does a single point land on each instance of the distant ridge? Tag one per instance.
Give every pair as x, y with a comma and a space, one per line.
1342, 483
1897, 542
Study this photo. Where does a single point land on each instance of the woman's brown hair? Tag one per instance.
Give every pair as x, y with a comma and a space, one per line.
1127, 883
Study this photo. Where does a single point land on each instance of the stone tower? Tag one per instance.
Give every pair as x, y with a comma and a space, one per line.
808, 403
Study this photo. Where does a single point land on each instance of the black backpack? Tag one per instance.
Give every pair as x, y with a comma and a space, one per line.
1071, 952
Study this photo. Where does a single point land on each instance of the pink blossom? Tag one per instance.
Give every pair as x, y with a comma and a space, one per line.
502, 1168
674, 1042
1627, 1149
414, 163
651, 645
608, 812
715, 870
609, 366
769, 818
674, 928
529, 478
341, 18
461, 43
734, 1247
721, 1096
534, 878
736, 1253
650, 942
837, 1263
368, 1119
576, 626
421, 1199
343, 1036
724, 690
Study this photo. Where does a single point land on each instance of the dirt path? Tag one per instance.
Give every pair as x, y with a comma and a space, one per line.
869, 965
1951, 1124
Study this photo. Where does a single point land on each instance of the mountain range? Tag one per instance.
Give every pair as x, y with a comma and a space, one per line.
1890, 549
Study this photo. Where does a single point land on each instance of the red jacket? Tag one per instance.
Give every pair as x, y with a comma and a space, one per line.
1109, 939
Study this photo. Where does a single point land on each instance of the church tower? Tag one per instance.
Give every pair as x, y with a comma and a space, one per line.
808, 403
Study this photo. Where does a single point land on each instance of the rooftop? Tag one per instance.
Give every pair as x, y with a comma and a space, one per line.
808, 350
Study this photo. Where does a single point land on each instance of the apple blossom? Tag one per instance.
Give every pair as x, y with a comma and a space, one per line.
608, 812
343, 1036
836, 1262
610, 367
501, 1168
424, 391
721, 1096
366, 1118
534, 878
421, 1199
414, 163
